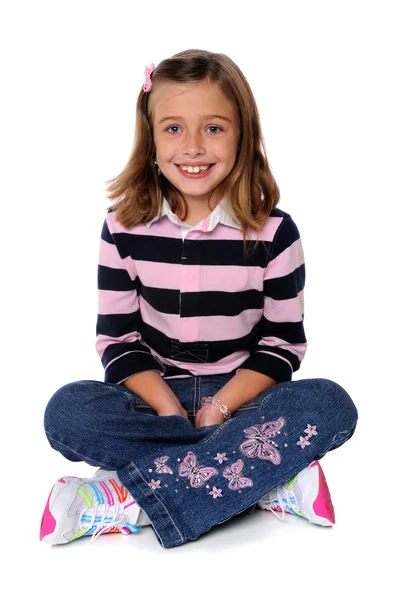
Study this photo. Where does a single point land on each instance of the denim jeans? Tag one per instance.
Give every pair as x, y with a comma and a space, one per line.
189, 480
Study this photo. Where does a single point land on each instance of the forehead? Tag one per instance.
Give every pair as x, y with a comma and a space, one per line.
190, 101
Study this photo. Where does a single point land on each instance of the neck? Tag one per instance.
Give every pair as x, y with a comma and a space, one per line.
197, 213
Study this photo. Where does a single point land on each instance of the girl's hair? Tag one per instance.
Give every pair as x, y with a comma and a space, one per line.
250, 188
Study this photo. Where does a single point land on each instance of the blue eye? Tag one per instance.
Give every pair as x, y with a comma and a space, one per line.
214, 127
174, 127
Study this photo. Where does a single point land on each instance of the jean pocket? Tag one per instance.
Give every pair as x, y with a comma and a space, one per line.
139, 405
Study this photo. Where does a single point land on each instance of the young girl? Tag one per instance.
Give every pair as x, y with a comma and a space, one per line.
199, 330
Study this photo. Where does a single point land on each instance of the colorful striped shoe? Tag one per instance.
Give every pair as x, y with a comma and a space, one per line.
143, 519
307, 495
81, 507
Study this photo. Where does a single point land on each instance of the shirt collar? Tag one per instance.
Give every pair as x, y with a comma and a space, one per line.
221, 214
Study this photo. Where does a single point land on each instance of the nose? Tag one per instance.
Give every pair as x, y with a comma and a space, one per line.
193, 143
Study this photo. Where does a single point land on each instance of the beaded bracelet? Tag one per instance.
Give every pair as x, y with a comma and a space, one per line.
224, 409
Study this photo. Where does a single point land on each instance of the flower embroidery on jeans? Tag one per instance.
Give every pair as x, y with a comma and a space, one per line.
161, 467
303, 442
197, 475
155, 485
258, 443
220, 457
234, 474
216, 492
311, 430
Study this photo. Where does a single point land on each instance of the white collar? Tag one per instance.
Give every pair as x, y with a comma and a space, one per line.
221, 214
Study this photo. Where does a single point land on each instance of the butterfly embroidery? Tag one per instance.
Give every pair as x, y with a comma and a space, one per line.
234, 474
161, 467
258, 444
197, 475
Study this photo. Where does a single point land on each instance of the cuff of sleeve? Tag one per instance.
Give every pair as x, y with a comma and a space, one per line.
131, 364
270, 365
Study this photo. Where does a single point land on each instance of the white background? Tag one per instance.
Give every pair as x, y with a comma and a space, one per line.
324, 76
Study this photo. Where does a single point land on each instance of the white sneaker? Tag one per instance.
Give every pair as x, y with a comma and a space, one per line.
81, 507
143, 519
307, 495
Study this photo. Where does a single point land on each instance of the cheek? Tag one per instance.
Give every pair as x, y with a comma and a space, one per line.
230, 155
159, 140
164, 148
228, 149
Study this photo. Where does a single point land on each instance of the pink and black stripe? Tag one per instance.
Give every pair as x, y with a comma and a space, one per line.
198, 306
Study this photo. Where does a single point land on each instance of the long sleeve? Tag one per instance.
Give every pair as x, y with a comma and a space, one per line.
119, 343
283, 344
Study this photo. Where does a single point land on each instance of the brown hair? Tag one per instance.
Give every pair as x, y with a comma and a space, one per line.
250, 187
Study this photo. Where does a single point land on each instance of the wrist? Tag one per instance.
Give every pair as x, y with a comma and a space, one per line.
154, 390
166, 403
213, 401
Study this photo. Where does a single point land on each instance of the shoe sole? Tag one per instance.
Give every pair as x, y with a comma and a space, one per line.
317, 504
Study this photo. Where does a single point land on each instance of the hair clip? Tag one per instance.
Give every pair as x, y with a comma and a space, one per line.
148, 82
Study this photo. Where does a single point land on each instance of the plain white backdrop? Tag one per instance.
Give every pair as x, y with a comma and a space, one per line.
324, 76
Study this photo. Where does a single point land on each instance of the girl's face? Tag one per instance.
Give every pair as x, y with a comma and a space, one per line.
194, 125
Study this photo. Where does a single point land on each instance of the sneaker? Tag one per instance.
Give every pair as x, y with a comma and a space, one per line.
143, 519
81, 507
306, 495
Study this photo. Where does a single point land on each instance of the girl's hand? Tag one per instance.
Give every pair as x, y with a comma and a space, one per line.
209, 415
172, 408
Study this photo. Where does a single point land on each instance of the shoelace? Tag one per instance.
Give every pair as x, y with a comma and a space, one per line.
116, 519
269, 504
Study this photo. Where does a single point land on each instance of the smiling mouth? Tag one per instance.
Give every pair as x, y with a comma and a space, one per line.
195, 172
196, 169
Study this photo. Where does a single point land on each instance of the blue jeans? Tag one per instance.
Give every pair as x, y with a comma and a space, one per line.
188, 480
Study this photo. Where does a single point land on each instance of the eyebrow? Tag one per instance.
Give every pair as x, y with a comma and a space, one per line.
177, 118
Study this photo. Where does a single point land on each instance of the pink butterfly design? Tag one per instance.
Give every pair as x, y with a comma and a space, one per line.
160, 464
197, 475
234, 474
258, 444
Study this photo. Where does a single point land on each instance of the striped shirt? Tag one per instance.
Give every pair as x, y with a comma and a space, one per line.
185, 300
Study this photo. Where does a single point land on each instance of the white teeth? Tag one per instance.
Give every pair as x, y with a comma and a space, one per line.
195, 169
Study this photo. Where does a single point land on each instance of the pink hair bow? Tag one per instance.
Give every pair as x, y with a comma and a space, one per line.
148, 82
